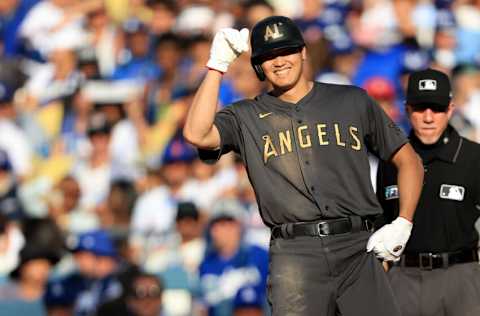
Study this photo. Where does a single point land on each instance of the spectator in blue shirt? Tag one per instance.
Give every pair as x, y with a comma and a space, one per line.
233, 274
94, 283
138, 64
12, 14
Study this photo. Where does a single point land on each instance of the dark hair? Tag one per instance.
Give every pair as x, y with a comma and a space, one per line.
168, 38
98, 124
44, 232
3, 223
247, 5
187, 210
168, 4
195, 39
128, 195
43, 239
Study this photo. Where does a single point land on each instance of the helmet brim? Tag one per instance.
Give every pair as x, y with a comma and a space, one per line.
275, 50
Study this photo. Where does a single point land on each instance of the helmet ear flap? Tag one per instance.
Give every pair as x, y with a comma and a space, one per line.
259, 71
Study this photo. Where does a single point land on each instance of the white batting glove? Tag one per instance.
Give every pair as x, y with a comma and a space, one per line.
389, 241
227, 45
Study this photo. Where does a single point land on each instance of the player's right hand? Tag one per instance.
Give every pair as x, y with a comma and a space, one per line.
227, 45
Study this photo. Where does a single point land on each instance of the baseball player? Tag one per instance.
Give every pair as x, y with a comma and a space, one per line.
305, 148
438, 273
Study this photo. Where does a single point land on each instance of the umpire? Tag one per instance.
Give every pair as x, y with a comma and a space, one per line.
438, 274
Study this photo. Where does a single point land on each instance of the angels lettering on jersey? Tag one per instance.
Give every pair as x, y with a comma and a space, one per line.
282, 142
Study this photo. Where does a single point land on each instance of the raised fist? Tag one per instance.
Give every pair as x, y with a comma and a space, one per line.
227, 45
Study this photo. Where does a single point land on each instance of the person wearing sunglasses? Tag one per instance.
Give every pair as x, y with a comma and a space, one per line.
142, 296
438, 273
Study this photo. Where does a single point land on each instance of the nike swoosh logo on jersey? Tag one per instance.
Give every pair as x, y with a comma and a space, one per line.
263, 115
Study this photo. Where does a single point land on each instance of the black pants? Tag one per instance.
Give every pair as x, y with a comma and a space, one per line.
328, 276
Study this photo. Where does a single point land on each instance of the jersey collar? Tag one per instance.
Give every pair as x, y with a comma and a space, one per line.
446, 148
284, 106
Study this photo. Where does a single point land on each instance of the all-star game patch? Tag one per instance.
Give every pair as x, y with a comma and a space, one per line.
452, 192
391, 192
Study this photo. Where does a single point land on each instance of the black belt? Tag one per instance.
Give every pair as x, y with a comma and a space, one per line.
323, 227
429, 261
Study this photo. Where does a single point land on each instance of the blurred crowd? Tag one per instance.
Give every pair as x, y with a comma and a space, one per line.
105, 209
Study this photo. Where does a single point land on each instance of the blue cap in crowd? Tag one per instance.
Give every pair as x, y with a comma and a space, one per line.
97, 242
178, 151
4, 161
443, 4
6, 93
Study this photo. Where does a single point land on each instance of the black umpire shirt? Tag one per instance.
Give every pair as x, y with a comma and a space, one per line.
449, 204
309, 160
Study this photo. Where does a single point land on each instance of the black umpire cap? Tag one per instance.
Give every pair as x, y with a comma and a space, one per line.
427, 88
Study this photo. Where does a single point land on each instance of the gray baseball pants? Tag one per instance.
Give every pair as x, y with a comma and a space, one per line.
454, 291
328, 276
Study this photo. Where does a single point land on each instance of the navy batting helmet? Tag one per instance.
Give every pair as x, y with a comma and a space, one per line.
272, 34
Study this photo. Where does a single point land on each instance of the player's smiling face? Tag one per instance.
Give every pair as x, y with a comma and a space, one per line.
429, 123
284, 68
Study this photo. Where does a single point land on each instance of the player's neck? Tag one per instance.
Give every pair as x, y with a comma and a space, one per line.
295, 93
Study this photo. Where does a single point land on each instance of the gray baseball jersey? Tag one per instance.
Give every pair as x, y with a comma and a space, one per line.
309, 160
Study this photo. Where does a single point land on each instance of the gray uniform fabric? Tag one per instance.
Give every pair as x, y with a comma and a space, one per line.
313, 153
309, 161
440, 292
328, 276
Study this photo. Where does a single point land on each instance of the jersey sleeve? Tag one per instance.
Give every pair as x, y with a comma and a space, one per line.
230, 136
383, 137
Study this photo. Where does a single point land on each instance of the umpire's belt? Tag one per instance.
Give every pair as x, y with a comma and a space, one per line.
323, 227
429, 261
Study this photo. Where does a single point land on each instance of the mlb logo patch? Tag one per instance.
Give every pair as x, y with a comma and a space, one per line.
452, 192
391, 192
427, 84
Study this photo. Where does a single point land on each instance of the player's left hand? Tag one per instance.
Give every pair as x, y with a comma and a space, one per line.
389, 241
